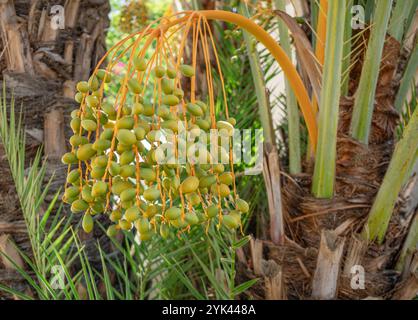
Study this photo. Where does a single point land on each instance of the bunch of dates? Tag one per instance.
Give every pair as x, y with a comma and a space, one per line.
119, 164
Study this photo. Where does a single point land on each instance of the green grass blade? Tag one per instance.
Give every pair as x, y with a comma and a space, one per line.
244, 286
106, 278
16, 293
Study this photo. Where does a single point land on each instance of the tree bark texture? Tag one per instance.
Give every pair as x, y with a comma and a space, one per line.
46, 47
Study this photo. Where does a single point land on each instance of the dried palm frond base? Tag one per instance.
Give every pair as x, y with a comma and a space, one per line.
311, 253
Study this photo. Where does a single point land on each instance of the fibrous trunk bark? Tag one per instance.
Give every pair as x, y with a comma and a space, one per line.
45, 48
311, 263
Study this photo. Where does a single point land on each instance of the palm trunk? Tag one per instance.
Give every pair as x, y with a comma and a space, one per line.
324, 249
40, 62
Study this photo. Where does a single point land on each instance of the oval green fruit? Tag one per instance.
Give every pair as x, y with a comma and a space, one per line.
171, 72
170, 125
99, 189
75, 125
72, 192
88, 223
148, 110
172, 213
159, 71
78, 97
207, 181
203, 124
102, 74
97, 94
194, 199
100, 161
163, 111
164, 231
179, 93
191, 218
125, 225
194, 109
85, 152
83, 87
97, 173
140, 64
212, 211
225, 126
75, 114
121, 148
137, 108
153, 136
190, 184
127, 171
79, 206
108, 108
144, 124
179, 223
148, 174
126, 137
134, 86
139, 133
152, 194
202, 105
187, 70
224, 190
94, 83
69, 158
86, 194
126, 122
128, 195
112, 231
88, 114
143, 225
167, 86
127, 157
170, 100
68, 200
97, 207
92, 101
226, 178
76, 140
107, 134
230, 222
119, 186
114, 169
132, 214
218, 168
116, 215
242, 206
101, 145
232, 121
73, 176
126, 110
89, 125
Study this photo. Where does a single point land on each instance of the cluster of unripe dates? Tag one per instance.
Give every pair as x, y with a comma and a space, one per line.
116, 168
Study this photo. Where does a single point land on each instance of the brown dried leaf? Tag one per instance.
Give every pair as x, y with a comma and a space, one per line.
305, 52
